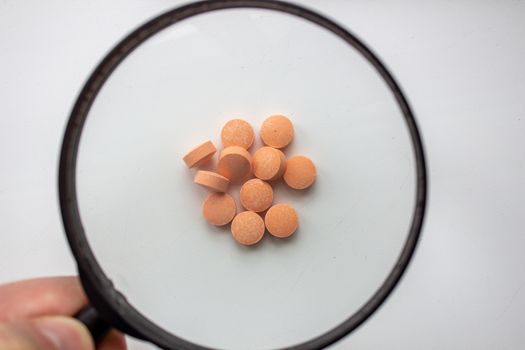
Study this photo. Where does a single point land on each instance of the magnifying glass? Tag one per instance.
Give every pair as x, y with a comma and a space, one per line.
150, 264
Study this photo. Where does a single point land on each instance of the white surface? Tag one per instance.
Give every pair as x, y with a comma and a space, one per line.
459, 63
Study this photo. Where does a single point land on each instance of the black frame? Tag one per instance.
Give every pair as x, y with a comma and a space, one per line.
112, 305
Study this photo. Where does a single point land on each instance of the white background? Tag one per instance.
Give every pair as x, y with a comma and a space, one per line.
460, 63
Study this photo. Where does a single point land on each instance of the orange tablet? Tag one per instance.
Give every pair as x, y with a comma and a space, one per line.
277, 131
268, 163
200, 154
219, 209
237, 132
247, 228
256, 195
211, 180
300, 172
235, 163
281, 220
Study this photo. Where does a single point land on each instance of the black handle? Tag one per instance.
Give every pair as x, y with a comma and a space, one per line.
97, 326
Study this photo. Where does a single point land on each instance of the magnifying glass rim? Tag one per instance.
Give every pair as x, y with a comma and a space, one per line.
102, 294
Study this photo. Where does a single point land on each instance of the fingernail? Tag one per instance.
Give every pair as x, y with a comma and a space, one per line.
64, 333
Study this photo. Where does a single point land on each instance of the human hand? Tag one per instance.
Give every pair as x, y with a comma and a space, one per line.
36, 315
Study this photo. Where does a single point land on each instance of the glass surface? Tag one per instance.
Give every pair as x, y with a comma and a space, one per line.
142, 211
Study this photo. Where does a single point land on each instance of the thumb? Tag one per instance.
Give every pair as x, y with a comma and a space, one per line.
46, 333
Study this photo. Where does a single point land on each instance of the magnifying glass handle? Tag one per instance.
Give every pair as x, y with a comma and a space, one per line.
97, 326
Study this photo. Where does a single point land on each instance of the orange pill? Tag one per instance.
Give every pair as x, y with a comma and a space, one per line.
237, 132
281, 220
219, 209
211, 180
235, 163
277, 131
247, 228
256, 195
200, 154
268, 163
300, 172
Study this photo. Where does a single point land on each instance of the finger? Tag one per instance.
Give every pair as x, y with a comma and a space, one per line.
113, 341
39, 297
47, 333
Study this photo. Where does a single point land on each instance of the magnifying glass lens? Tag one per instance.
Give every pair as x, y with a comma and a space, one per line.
142, 213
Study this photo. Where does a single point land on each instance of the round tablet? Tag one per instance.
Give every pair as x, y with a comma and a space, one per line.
237, 132
200, 154
277, 131
300, 172
219, 209
211, 180
247, 228
281, 220
235, 163
268, 163
256, 195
